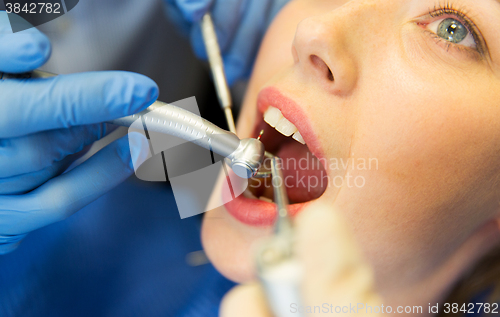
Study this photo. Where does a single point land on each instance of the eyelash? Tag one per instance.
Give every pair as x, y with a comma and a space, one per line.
461, 14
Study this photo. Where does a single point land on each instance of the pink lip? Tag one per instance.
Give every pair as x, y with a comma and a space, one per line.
255, 212
271, 96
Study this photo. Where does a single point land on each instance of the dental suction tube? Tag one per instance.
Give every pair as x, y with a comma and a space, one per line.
245, 156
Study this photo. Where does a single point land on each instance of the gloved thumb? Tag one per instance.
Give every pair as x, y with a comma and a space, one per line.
193, 10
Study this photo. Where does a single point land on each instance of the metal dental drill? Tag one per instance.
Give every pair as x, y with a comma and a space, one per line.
245, 156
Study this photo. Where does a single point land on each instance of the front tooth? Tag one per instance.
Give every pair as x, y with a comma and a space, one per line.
298, 137
272, 116
268, 200
285, 127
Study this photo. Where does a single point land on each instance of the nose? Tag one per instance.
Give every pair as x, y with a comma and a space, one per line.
322, 51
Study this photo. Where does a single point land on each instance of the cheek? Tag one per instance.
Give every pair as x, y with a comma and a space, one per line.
426, 126
275, 51
435, 147
430, 139
274, 56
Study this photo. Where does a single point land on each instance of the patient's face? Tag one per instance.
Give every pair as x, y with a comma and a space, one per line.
399, 100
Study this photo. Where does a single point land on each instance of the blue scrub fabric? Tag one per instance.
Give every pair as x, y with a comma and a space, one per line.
123, 255
483, 297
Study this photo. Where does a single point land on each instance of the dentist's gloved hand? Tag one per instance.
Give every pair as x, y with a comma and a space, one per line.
240, 26
45, 123
334, 272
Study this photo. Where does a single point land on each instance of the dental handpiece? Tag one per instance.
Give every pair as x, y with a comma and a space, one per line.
245, 156
277, 267
217, 66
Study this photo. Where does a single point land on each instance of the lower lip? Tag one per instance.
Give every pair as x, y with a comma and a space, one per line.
254, 212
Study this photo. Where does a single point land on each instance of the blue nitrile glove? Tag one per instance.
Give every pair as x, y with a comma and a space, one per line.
44, 123
240, 26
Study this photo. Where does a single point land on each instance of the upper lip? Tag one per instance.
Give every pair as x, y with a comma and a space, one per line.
271, 96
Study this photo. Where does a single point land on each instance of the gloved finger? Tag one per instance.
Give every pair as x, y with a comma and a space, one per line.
23, 183
333, 266
193, 10
62, 196
227, 16
32, 105
34, 152
22, 51
246, 300
238, 60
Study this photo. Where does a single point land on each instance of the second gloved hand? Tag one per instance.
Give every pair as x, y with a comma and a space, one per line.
45, 123
240, 26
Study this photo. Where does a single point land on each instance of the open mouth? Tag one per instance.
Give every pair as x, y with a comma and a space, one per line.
303, 174
286, 134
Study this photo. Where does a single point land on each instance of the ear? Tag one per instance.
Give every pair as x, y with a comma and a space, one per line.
478, 245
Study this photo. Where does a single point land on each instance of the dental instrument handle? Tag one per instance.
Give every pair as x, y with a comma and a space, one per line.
245, 156
278, 269
283, 223
168, 119
217, 66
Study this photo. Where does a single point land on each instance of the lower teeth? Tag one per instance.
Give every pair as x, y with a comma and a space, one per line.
248, 194
266, 199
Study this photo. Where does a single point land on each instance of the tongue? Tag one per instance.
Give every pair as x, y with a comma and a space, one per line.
305, 177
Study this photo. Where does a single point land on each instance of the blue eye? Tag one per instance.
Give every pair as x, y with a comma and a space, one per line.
453, 31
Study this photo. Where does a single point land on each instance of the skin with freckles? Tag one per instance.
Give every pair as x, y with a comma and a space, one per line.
374, 81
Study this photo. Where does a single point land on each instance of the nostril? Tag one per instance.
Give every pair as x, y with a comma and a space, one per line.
330, 75
319, 64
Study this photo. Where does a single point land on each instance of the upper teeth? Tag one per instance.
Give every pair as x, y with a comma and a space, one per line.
275, 119
298, 137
